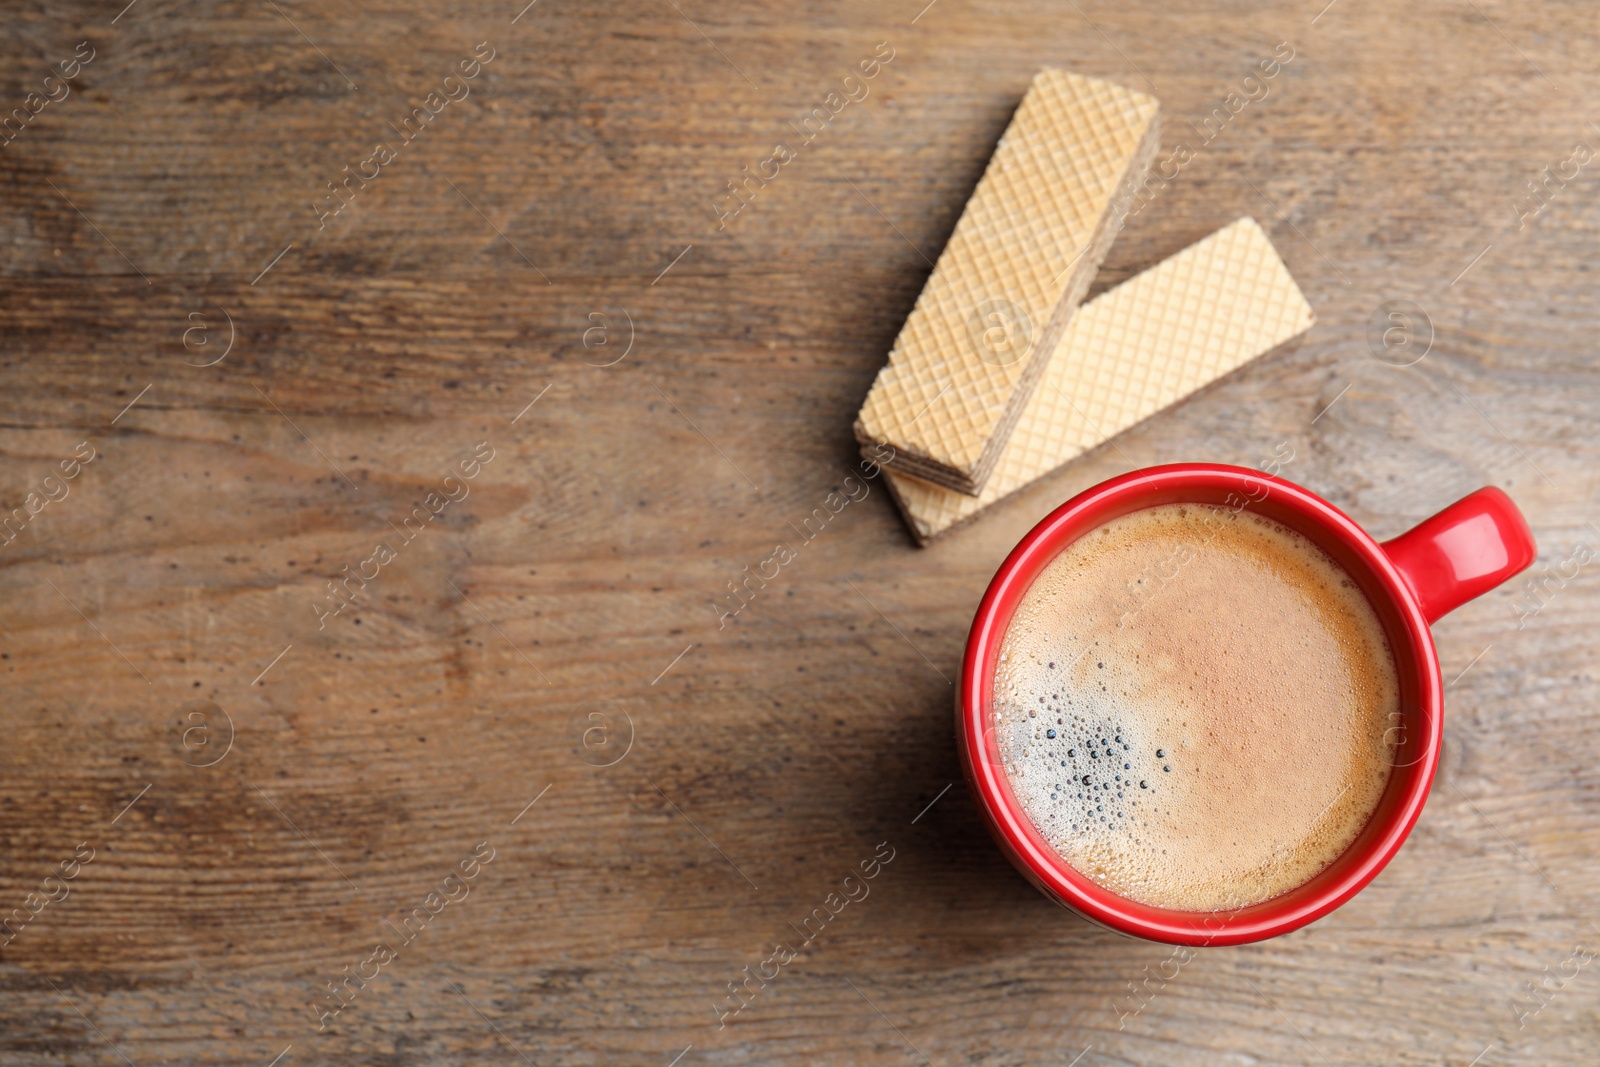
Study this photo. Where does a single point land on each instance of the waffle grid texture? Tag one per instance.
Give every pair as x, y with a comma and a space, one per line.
1029, 243
1129, 353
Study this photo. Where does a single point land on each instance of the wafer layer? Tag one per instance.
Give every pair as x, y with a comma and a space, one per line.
1127, 354
1021, 257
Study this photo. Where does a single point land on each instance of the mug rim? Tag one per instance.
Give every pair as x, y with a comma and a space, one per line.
1013, 830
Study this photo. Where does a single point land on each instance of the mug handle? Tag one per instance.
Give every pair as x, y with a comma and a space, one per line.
1463, 552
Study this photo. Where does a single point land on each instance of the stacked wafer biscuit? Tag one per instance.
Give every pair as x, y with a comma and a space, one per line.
998, 377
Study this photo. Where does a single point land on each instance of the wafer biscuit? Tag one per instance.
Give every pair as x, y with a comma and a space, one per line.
1130, 352
1017, 265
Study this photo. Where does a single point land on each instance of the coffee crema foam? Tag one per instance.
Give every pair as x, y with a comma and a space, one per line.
1193, 705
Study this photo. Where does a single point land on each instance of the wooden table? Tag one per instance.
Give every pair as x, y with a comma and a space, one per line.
537, 672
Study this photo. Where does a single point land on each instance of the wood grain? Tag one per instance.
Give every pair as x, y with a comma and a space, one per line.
775, 754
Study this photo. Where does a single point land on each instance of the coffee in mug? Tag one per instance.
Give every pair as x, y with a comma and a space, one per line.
1194, 707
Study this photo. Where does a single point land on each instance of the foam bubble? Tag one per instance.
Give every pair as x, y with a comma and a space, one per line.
1193, 707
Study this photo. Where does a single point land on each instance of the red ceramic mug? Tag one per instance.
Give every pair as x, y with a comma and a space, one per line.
1460, 553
